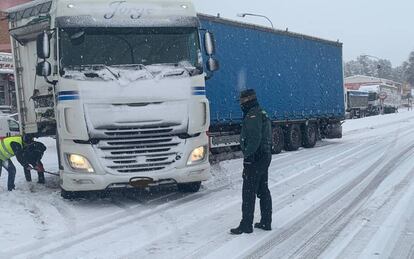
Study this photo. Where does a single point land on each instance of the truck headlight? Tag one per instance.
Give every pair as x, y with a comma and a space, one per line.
198, 155
79, 163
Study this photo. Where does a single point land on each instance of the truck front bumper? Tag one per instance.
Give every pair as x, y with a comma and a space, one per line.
70, 181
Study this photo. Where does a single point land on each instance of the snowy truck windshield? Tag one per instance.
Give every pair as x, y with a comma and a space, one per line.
125, 46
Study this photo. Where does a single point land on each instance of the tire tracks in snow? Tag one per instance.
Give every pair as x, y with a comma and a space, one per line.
281, 201
293, 228
285, 199
359, 232
315, 246
105, 225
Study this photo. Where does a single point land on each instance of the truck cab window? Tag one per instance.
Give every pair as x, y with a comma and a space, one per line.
129, 46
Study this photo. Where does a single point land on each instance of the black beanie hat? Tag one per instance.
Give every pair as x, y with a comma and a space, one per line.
248, 95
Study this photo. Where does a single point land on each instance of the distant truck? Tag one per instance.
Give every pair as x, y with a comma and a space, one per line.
357, 103
298, 80
121, 84
383, 98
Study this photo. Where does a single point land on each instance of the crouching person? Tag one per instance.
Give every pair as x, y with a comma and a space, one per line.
28, 154
30, 158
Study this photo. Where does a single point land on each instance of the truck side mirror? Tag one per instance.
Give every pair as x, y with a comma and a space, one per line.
212, 64
209, 43
43, 45
210, 47
43, 69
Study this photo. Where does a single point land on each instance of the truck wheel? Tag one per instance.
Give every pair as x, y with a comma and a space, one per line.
310, 136
189, 187
277, 140
293, 138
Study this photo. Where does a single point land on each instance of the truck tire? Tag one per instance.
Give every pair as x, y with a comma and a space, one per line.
189, 187
310, 136
278, 140
293, 138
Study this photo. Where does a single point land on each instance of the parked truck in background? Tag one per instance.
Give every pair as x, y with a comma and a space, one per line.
357, 103
298, 80
383, 98
120, 84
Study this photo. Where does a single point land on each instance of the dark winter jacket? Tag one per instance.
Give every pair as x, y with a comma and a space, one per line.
256, 134
29, 154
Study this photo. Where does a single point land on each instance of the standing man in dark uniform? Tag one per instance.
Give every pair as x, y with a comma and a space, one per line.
255, 142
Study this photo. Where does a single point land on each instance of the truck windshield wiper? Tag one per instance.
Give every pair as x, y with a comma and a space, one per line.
190, 70
139, 66
112, 72
89, 70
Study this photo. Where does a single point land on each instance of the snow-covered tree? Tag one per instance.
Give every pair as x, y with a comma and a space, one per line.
409, 69
365, 65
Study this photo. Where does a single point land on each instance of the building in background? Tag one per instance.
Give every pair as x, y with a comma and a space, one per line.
7, 89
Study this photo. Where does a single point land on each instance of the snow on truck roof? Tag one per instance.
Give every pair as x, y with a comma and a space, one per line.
104, 9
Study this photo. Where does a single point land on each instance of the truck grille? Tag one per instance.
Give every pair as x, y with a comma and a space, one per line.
134, 150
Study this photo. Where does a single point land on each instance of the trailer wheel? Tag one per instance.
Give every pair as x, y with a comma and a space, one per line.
189, 187
277, 140
310, 136
293, 138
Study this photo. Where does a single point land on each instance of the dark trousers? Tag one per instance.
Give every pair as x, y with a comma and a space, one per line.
255, 182
11, 169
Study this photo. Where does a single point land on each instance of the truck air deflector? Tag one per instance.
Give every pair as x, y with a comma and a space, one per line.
91, 21
32, 9
29, 32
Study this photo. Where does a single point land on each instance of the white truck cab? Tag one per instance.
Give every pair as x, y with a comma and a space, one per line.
122, 86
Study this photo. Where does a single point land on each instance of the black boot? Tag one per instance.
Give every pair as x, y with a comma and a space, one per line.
240, 230
41, 178
263, 226
28, 176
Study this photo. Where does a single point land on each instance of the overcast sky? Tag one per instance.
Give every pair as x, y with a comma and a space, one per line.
382, 28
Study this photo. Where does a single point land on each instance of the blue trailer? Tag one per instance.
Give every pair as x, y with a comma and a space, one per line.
298, 80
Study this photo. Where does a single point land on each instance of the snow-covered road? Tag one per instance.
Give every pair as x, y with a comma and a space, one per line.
347, 198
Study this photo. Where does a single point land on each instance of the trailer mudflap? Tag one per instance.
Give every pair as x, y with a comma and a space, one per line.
334, 131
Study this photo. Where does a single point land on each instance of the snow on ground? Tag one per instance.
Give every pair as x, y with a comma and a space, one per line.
346, 198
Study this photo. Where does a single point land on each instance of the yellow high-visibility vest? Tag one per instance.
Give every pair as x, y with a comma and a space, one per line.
6, 152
